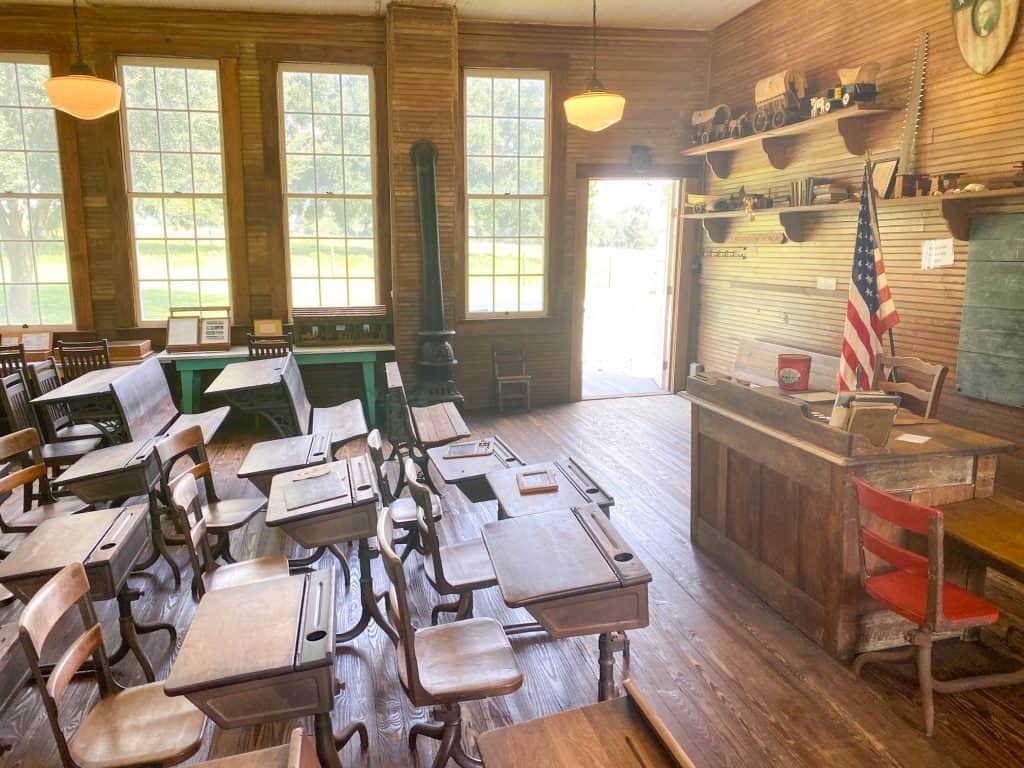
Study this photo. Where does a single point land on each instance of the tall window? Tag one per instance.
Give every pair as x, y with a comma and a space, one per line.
327, 126
507, 190
33, 256
172, 127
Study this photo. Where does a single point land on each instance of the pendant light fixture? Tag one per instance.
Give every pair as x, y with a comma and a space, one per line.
595, 109
81, 94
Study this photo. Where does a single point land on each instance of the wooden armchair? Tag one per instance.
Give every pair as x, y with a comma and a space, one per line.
452, 569
299, 752
443, 666
270, 346
78, 357
401, 508
127, 728
916, 589
922, 401
37, 504
55, 420
12, 359
221, 515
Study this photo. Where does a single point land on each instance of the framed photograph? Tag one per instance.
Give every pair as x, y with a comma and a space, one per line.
267, 328
985, 16
882, 176
215, 330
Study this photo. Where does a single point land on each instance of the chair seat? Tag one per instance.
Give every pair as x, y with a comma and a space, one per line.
138, 726
208, 421
229, 514
344, 422
466, 660
246, 572
906, 593
67, 451
26, 521
514, 379
79, 432
403, 510
467, 566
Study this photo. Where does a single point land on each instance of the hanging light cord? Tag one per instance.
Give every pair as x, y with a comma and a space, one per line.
593, 69
78, 37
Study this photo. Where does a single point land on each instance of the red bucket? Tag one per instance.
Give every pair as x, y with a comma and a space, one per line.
794, 372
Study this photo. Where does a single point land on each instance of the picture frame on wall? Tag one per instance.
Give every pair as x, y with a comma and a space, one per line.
882, 175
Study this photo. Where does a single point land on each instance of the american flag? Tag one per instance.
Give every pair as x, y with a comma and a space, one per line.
870, 310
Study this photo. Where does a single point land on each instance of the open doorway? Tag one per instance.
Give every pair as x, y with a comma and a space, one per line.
630, 250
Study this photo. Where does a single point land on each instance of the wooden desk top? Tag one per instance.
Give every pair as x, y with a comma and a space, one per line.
574, 489
248, 374
993, 526
454, 471
242, 351
559, 554
106, 461
86, 385
286, 454
437, 423
356, 477
257, 631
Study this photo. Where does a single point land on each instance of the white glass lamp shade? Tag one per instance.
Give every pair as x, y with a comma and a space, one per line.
83, 95
594, 110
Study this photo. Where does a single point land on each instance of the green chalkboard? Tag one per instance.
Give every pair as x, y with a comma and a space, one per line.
990, 362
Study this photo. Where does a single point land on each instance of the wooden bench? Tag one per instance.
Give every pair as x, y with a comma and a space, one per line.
345, 421
757, 362
148, 410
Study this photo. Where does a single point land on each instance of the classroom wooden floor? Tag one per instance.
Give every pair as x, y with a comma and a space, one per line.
736, 684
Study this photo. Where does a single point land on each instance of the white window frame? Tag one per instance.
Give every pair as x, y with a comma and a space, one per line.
177, 63
333, 69
519, 73
21, 57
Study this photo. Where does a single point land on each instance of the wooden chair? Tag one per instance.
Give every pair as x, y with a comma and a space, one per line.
445, 665
510, 377
221, 515
207, 576
78, 357
127, 727
270, 346
299, 752
55, 420
401, 508
38, 503
452, 569
916, 589
924, 401
12, 359
16, 401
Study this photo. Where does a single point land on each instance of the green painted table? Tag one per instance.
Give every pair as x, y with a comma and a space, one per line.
190, 366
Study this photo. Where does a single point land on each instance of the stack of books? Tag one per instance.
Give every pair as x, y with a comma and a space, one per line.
827, 192
870, 414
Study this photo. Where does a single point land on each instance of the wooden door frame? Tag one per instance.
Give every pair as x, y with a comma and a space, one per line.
677, 339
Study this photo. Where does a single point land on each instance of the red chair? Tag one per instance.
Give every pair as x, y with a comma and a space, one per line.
916, 589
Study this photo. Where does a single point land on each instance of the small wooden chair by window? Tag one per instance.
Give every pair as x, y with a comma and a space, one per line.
12, 358
270, 346
221, 515
139, 726
207, 576
38, 501
924, 401
56, 421
299, 752
443, 666
78, 357
457, 569
916, 589
510, 377
17, 406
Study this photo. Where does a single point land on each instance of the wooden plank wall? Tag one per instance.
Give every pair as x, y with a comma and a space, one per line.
971, 124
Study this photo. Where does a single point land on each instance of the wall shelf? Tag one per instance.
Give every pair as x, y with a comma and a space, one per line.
850, 124
956, 209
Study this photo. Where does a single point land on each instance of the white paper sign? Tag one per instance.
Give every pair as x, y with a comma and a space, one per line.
937, 253
907, 437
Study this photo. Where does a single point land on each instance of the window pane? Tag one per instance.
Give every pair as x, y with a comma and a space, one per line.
173, 136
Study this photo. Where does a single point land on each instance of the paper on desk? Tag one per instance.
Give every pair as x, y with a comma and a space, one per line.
908, 437
814, 397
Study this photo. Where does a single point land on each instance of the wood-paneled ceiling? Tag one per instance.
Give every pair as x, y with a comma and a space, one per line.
654, 14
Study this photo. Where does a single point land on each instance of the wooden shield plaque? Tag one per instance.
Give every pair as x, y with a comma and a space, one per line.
984, 29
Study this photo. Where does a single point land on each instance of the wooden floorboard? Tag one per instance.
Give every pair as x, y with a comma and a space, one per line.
736, 684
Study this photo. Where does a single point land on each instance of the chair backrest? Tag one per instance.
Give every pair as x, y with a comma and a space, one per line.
23, 446
144, 400
270, 346
398, 611
183, 499
78, 357
44, 377
923, 400
905, 516
401, 430
429, 536
509, 362
375, 446
188, 442
302, 411
67, 589
12, 358
17, 403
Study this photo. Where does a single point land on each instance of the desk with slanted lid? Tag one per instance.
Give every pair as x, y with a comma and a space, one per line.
112, 473
107, 542
262, 653
469, 474
575, 574
89, 399
272, 457
575, 487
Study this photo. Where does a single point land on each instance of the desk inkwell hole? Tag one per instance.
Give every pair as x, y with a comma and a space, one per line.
316, 636
363, 487
109, 545
591, 490
623, 557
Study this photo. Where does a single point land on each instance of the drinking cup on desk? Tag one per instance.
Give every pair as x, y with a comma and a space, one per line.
794, 372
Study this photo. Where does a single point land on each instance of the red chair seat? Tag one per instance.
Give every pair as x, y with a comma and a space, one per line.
906, 593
